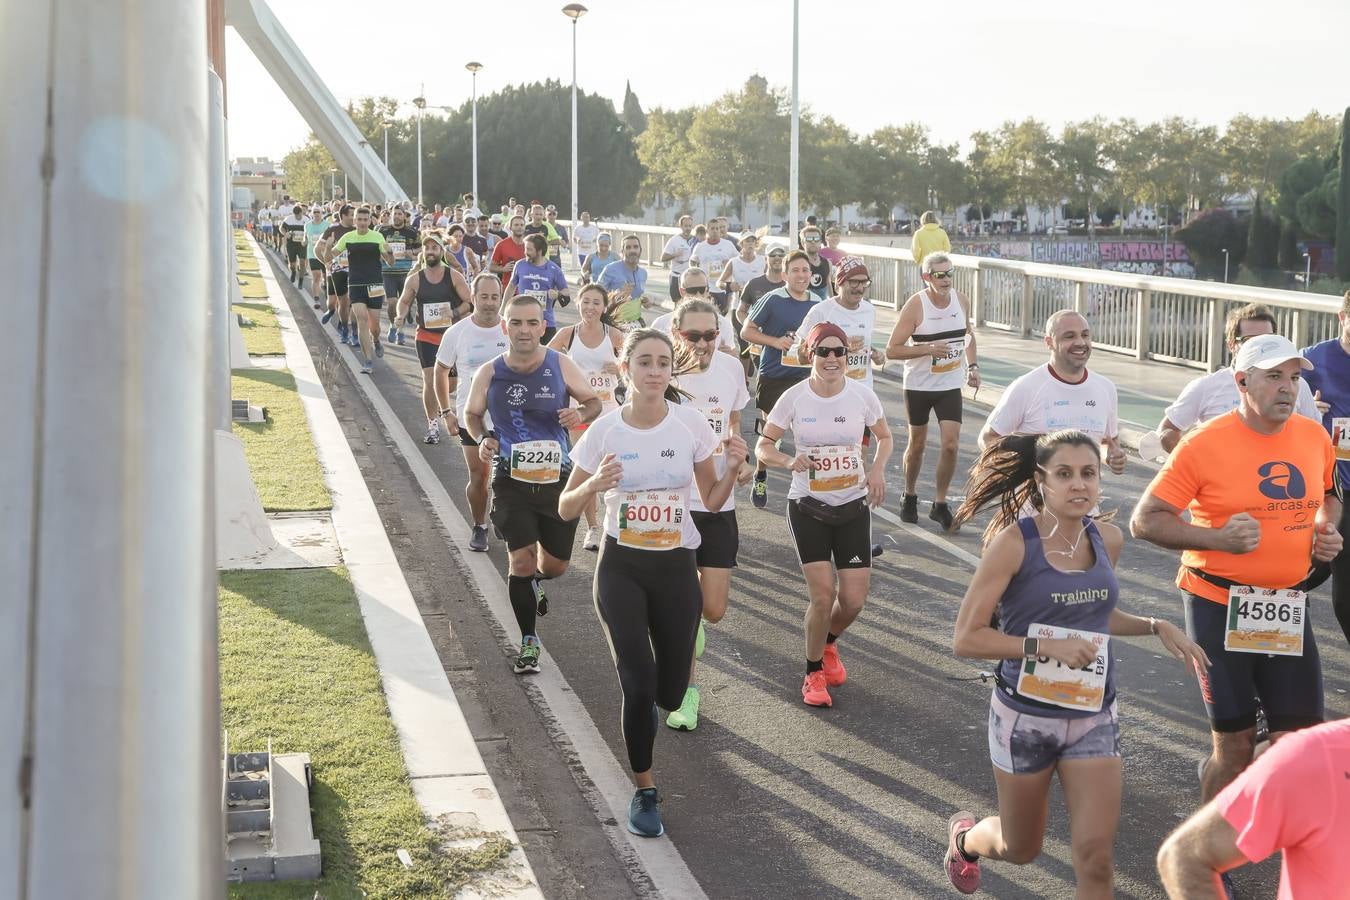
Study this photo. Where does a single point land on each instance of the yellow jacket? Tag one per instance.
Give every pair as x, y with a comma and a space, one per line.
928, 239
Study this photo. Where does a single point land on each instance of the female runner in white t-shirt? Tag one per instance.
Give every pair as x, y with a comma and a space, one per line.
645, 457
828, 502
593, 344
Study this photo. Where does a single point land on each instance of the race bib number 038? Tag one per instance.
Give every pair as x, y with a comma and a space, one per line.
536, 462
651, 520
1265, 620
1050, 681
840, 468
603, 385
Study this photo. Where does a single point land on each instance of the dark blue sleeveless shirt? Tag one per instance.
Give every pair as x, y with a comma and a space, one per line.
1040, 594
525, 406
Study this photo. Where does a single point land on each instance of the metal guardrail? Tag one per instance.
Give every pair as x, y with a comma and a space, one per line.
1171, 320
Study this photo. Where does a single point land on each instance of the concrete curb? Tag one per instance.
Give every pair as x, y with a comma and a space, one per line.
448, 776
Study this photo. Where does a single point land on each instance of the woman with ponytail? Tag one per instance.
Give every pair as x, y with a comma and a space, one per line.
1048, 570
645, 458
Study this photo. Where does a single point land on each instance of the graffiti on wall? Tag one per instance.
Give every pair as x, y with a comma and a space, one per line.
1138, 257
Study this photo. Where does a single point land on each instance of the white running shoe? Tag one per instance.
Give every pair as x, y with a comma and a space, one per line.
592, 540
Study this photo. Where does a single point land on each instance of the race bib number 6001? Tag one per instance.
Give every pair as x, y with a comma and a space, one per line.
651, 520
1265, 620
536, 462
1050, 681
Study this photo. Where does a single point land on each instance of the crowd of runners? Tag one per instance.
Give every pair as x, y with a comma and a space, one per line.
633, 421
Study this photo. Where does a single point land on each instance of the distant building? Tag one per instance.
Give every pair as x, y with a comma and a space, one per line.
255, 181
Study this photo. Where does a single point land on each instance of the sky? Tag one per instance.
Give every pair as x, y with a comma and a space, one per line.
955, 67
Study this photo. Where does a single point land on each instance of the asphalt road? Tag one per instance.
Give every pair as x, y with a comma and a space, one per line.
769, 798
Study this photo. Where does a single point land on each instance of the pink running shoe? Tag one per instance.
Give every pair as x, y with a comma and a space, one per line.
835, 673
814, 692
965, 876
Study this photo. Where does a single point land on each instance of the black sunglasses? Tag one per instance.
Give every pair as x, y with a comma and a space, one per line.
697, 289
823, 352
694, 337
946, 274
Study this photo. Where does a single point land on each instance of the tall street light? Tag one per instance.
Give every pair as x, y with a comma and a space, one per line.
473, 68
387, 123
420, 102
573, 11
364, 145
1307, 271
1225, 265
792, 152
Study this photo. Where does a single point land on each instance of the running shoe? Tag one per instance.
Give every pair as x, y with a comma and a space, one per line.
478, 540
909, 509
814, 692
941, 514
644, 819
686, 717
540, 599
877, 550
367, 367
379, 349
342, 332
591, 541
1262, 723
318, 305
353, 339
433, 432
402, 339
964, 875
393, 333
835, 673
527, 663
759, 494
327, 316
699, 639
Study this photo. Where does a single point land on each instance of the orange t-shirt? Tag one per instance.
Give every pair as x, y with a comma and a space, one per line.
1224, 468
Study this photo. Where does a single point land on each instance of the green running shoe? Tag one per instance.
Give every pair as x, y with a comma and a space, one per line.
686, 717
699, 640
528, 660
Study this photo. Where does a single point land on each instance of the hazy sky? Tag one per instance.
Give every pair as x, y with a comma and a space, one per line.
869, 63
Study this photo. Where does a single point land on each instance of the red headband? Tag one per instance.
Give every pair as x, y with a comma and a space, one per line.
823, 330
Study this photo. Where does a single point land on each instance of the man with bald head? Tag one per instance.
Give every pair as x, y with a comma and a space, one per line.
1061, 394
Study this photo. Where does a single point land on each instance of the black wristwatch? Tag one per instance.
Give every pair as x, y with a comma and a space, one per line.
1031, 647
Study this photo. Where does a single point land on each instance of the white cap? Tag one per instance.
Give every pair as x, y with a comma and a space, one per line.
1266, 351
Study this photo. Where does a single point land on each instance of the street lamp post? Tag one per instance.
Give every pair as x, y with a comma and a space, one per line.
387, 123
1307, 271
573, 11
364, 146
1167, 215
792, 149
420, 102
473, 68
332, 184
1225, 265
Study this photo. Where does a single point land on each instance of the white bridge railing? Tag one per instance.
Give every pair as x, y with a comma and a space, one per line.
1172, 320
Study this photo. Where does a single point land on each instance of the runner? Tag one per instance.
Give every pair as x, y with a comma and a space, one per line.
828, 504
934, 338
403, 240
742, 269
771, 280
510, 251
586, 234
456, 249
717, 389
526, 391
559, 239
476, 240
820, 266
831, 249
543, 278
366, 250
470, 343
314, 231
646, 457
694, 286
594, 345
293, 226
264, 219
339, 301
627, 281
442, 298
676, 254
1250, 478
711, 255
1051, 578
596, 262
773, 323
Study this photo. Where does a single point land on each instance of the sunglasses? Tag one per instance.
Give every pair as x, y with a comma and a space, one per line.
694, 337
823, 352
946, 274
697, 289
810, 240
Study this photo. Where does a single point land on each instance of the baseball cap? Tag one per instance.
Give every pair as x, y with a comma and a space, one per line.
435, 239
1266, 351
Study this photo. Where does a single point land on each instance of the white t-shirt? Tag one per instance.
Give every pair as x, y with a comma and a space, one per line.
679, 248
834, 427
657, 462
467, 345
1039, 403
712, 258
264, 216
443, 222
743, 272
1216, 393
726, 332
474, 212
585, 236
858, 324
717, 393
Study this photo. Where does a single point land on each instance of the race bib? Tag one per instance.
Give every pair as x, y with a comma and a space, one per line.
397, 248
717, 420
374, 291
536, 462
340, 261
297, 237
840, 468
437, 315
1340, 437
951, 360
651, 520
859, 357
796, 356
603, 384
1050, 681
1265, 620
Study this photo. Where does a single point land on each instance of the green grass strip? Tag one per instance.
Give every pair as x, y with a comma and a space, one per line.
280, 451
262, 334
252, 287
296, 667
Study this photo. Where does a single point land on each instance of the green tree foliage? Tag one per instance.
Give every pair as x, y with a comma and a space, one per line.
893, 169
986, 187
1343, 203
829, 168
663, 149
632, 114
1263, 242
1080, 159
739, 144
1022, 157
1208, 234
1290, 256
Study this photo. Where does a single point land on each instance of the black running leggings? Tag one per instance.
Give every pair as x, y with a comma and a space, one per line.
649, 603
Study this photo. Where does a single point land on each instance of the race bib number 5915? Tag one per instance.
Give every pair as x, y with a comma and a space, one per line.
838, 468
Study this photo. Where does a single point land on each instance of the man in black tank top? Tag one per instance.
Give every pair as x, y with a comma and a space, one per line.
442, 298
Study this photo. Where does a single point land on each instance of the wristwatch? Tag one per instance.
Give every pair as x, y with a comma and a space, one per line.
1031, 647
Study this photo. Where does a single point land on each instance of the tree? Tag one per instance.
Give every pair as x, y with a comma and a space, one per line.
1343, 203
1263, 242
1131, 149
664, 149
632, 115
946, 175
892, 169
739, 144
1080, 157
986, 189
1290, 257
1208, 234
1022, 158
828, 171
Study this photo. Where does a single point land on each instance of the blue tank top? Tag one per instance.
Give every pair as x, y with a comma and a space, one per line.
1040, 594
524, 407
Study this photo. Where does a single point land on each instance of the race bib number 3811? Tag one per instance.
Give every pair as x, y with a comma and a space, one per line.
1050, 681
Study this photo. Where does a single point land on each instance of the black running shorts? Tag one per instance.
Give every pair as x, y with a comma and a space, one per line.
919, 405
720, 538
361, 294
337, 284
848, 545
528, 513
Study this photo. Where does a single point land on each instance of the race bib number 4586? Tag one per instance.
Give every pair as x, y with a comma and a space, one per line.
1265, 620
